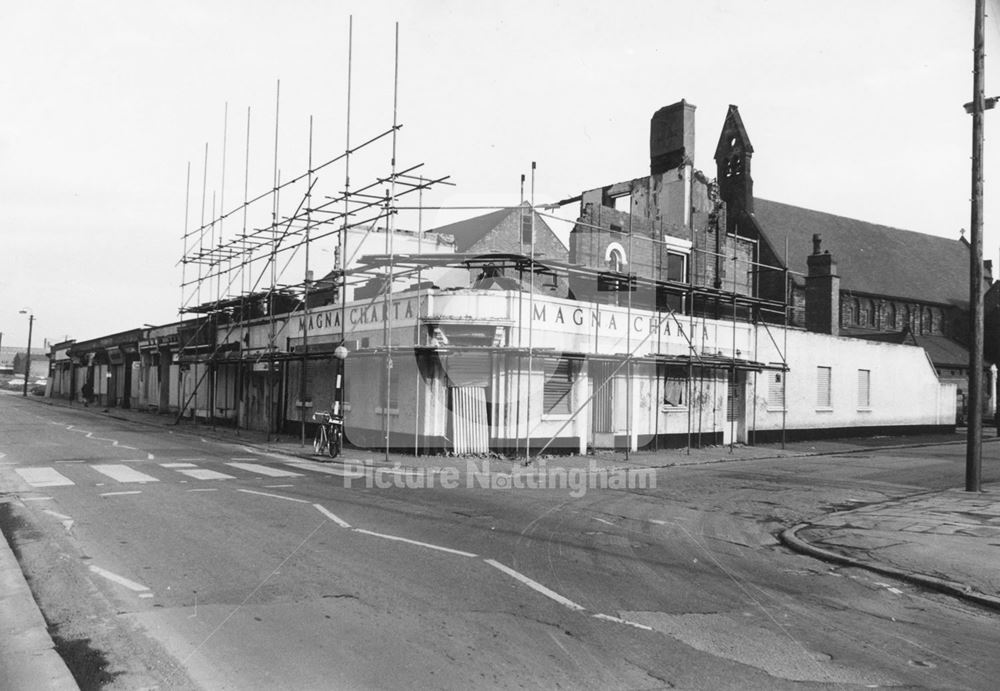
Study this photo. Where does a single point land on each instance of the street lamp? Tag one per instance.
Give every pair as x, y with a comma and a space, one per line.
27, 364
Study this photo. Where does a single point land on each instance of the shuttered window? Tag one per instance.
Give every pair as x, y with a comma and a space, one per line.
864, 388
824, 399
558, 383
775, 389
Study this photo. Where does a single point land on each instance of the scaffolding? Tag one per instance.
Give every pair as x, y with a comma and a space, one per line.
229, 278
251, 265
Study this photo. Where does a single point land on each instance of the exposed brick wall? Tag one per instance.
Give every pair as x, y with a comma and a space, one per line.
506, 238
894, 315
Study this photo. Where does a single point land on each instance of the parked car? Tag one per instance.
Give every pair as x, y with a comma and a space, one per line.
15, 384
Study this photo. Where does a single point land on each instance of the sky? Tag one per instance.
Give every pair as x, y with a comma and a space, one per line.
107, 110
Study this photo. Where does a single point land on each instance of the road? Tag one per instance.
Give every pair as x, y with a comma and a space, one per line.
164, 559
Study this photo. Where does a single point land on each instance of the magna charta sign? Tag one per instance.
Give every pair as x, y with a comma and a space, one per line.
566, 318
366, 316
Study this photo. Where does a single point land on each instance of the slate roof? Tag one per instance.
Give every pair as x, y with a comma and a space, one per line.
472, 230
468, 232
944, 352
871, 258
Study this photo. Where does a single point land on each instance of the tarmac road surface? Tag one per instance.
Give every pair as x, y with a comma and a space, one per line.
168, 559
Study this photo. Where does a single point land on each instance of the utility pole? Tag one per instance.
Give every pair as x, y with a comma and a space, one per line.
974, 443
27, 365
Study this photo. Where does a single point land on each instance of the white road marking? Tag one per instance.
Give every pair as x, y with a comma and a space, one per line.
619, 620
895, 591
178, 465
122, 473
264, 470
449, 550
317, 468
119, 494
204, 474
277, 486
43, 477
240, 458
36, 498
275, 496
57, 514
120, 580
190, 459
204, 489
535, 585
601, 520
333, 517
145, 594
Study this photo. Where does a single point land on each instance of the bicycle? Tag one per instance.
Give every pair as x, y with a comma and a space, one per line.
329, 435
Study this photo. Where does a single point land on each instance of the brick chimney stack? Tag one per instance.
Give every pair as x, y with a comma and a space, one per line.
671, 137
822, 291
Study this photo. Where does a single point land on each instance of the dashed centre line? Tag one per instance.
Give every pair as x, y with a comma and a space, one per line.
120, 580
416, 542
273, 496
535, 585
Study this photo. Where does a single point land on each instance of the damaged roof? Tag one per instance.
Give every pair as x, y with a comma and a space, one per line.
871, 258
468, 232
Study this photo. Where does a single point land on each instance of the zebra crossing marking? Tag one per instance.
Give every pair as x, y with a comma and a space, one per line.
43, 477
122, 473
264, 470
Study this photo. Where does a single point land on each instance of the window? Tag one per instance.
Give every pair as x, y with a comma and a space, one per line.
676, 267
824, 398
864, 388
558, 384
674, 382
776, 390
861, 309
615, 261
890, 316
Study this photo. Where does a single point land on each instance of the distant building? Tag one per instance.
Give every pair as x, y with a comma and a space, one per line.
12, 361
894, 285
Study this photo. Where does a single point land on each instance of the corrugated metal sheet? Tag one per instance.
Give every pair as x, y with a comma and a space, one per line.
603, 396
470, 428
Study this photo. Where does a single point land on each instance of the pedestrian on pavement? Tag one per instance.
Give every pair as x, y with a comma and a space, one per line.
88, 393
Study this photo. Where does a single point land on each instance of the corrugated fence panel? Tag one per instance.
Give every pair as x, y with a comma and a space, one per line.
469, 424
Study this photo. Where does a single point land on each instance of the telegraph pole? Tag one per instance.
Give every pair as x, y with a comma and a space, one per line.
974, 444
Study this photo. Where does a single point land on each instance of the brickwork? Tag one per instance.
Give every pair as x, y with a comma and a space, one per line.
506, 238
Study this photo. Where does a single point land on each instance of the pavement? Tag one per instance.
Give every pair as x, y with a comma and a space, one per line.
948, 540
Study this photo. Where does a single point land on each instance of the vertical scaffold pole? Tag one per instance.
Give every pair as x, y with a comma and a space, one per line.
307, 279
273, 260
531, 316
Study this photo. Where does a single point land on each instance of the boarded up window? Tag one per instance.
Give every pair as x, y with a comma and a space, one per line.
824, 398
864, 388
775, 389
558, 383
526, 219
